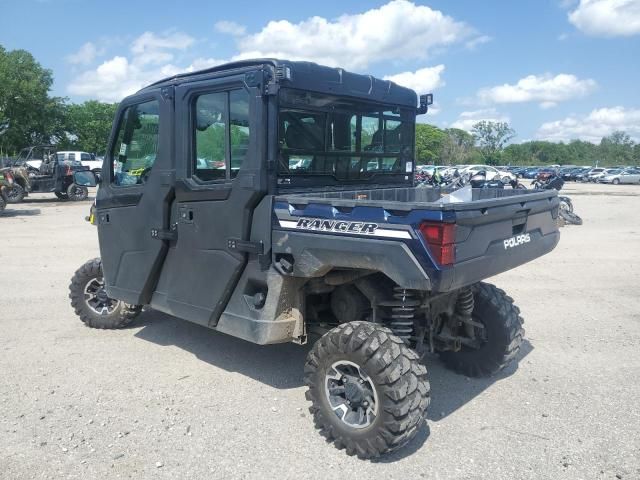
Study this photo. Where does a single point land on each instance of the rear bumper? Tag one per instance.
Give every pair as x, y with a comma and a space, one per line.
497, 259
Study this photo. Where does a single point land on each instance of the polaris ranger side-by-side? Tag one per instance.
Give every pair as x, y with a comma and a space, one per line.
273, 201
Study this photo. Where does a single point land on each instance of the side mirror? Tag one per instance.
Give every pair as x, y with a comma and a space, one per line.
425, 101
85, 178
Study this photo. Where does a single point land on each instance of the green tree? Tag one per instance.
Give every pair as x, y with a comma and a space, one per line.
429, 142
617, 149
88, 126
457, 147
27, 114
491, 137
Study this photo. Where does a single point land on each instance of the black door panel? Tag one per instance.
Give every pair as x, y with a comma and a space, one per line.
200, 272
127, 213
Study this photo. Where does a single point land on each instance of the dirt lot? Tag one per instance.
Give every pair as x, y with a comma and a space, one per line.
168, 399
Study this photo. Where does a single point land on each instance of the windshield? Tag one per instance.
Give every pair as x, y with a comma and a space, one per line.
326, 140
24, 153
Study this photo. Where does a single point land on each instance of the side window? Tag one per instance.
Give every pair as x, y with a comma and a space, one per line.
72, 157
136, 146
222, 134
239, 121
85, 156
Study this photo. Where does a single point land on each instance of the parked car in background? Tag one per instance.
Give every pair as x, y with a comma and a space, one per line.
591, 174
530, 172
491, 172
571, 174
595, 177
85, 158
629, 175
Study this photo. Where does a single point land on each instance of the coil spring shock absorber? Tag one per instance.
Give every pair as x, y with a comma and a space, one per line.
403, 313
464, 303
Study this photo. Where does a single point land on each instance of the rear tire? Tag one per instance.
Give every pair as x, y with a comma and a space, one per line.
61, 195
3, 203
368, 391
494, 309
91, 303
616, 181
15, 194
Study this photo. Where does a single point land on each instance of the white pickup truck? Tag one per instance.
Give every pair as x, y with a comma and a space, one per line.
87, 159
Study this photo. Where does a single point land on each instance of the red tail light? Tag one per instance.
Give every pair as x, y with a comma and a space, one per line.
441, 239
9, 177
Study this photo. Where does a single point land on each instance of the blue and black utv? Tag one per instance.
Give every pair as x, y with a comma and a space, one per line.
274, 201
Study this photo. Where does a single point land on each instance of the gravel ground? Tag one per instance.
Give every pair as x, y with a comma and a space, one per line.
169, 399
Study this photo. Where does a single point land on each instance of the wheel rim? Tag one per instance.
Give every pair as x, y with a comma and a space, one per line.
351, 394
96, 298
13, 194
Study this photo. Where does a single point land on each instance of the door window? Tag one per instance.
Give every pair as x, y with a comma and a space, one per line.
222, 134
136, 146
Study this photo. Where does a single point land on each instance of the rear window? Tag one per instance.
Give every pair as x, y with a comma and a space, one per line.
328, 140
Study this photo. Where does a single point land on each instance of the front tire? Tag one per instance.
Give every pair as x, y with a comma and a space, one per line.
61, 195
368, 391
502, 337
3, 203
15, 194
616, 181
91, 303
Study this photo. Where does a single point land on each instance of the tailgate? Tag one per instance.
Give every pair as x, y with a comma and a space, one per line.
499, 236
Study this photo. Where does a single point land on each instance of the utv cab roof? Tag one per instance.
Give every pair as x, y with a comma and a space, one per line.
306, 76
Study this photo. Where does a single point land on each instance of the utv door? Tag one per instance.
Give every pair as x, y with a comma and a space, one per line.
134, 197
221, 179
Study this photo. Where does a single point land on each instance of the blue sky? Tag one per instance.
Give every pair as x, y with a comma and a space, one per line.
555, 69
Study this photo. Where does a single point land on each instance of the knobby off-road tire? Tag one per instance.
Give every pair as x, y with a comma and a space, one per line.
77, 193
494, 309
3, 203
570, 217
91, 303
15, 194
386, 369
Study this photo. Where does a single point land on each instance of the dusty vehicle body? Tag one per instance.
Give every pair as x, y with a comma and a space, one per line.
306, 221
21, 184
6, 182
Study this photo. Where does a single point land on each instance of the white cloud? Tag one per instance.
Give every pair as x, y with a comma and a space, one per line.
85, 55
592, 127
424, 80
607, 18
230, 28
546, 89
150, 42
150, 61
466, 120
204, 63
399, 30
474, 42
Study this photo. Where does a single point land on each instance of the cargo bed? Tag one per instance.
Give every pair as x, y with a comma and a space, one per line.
495, 231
